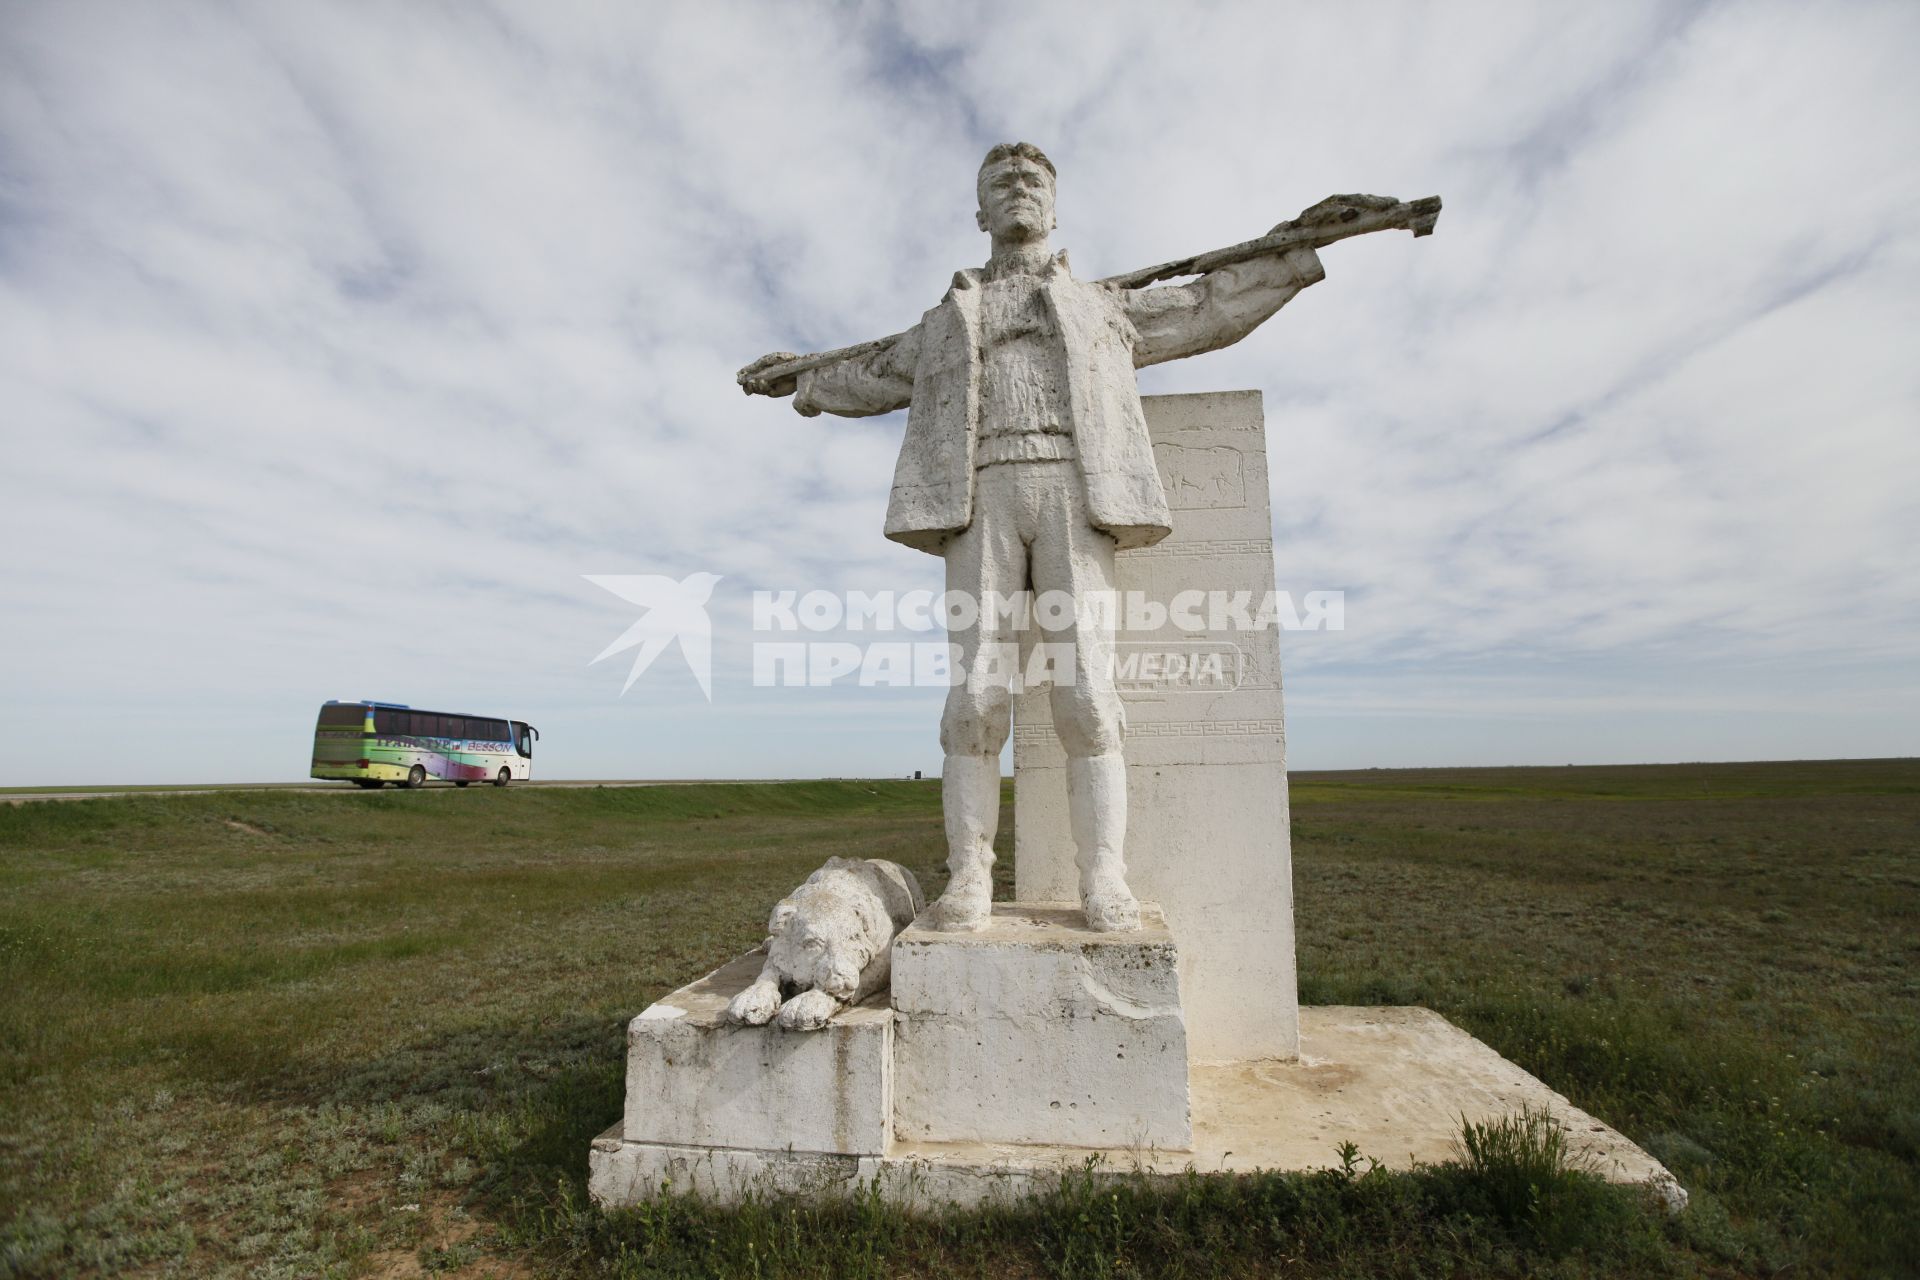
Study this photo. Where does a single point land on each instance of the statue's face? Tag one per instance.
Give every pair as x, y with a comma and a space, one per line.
1016, 200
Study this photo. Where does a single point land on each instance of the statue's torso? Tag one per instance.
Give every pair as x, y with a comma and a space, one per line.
1048, 376
1023, 396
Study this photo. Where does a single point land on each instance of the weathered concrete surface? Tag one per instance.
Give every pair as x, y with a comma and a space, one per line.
1207, 830
1396, 1082
1038, 1029
694, 1078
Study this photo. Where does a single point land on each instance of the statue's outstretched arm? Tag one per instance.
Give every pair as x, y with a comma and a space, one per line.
857, 382
1241, 285
1218, 309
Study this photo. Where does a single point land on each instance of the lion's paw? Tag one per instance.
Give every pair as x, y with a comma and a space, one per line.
808, 1011
755, 1006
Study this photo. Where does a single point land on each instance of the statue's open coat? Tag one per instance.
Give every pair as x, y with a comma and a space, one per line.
1107, 333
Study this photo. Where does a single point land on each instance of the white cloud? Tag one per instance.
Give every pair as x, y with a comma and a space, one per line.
335, 346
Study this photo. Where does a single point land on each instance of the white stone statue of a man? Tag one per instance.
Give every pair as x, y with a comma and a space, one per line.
1026, 464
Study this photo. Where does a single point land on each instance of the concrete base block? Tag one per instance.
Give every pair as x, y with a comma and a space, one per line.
694, 1080
1039, 1030
624, 1172
1395, 1082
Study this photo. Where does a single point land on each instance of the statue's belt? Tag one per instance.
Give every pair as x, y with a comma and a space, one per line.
1025, 446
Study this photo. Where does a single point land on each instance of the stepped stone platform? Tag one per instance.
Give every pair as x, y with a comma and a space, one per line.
1396, 1082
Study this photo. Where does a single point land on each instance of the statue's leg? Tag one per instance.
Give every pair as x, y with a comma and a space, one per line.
1071, 556
988, 557
1097, 810
970, 797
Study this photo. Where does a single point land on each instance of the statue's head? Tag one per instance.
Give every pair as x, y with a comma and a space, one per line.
1015, 186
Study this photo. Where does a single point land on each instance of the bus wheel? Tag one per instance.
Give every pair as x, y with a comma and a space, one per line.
375, 784
460, 782
500, 779
416, 778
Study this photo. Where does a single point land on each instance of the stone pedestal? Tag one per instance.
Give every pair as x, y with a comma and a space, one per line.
693, 1080
1207, 836
1397, 1083
1037, 1030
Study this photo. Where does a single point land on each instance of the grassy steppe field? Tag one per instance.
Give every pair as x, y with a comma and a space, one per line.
285, 1034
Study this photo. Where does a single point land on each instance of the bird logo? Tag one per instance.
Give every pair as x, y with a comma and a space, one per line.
672, 611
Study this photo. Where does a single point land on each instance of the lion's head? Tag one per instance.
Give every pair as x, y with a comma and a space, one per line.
824, 936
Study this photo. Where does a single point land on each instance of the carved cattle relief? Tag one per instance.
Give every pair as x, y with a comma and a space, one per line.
1212, 477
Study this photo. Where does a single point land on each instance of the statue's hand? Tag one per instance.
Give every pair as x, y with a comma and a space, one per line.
1305, 265
754, 385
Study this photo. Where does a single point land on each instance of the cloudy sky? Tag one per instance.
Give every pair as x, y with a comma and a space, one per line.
338, 342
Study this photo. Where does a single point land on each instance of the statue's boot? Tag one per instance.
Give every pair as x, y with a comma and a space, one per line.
970, 796
1097, 811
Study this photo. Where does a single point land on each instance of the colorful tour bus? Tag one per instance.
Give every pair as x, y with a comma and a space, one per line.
373, 743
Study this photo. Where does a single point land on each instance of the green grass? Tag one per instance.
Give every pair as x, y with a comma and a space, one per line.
158, 788
274, 1033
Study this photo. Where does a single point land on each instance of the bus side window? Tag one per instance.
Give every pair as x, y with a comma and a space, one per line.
388, 722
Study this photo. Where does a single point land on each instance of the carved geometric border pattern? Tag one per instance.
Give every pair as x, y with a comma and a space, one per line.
1039, 734
1220, 547
1240, 424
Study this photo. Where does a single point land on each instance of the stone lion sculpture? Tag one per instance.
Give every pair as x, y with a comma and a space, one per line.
830, 944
